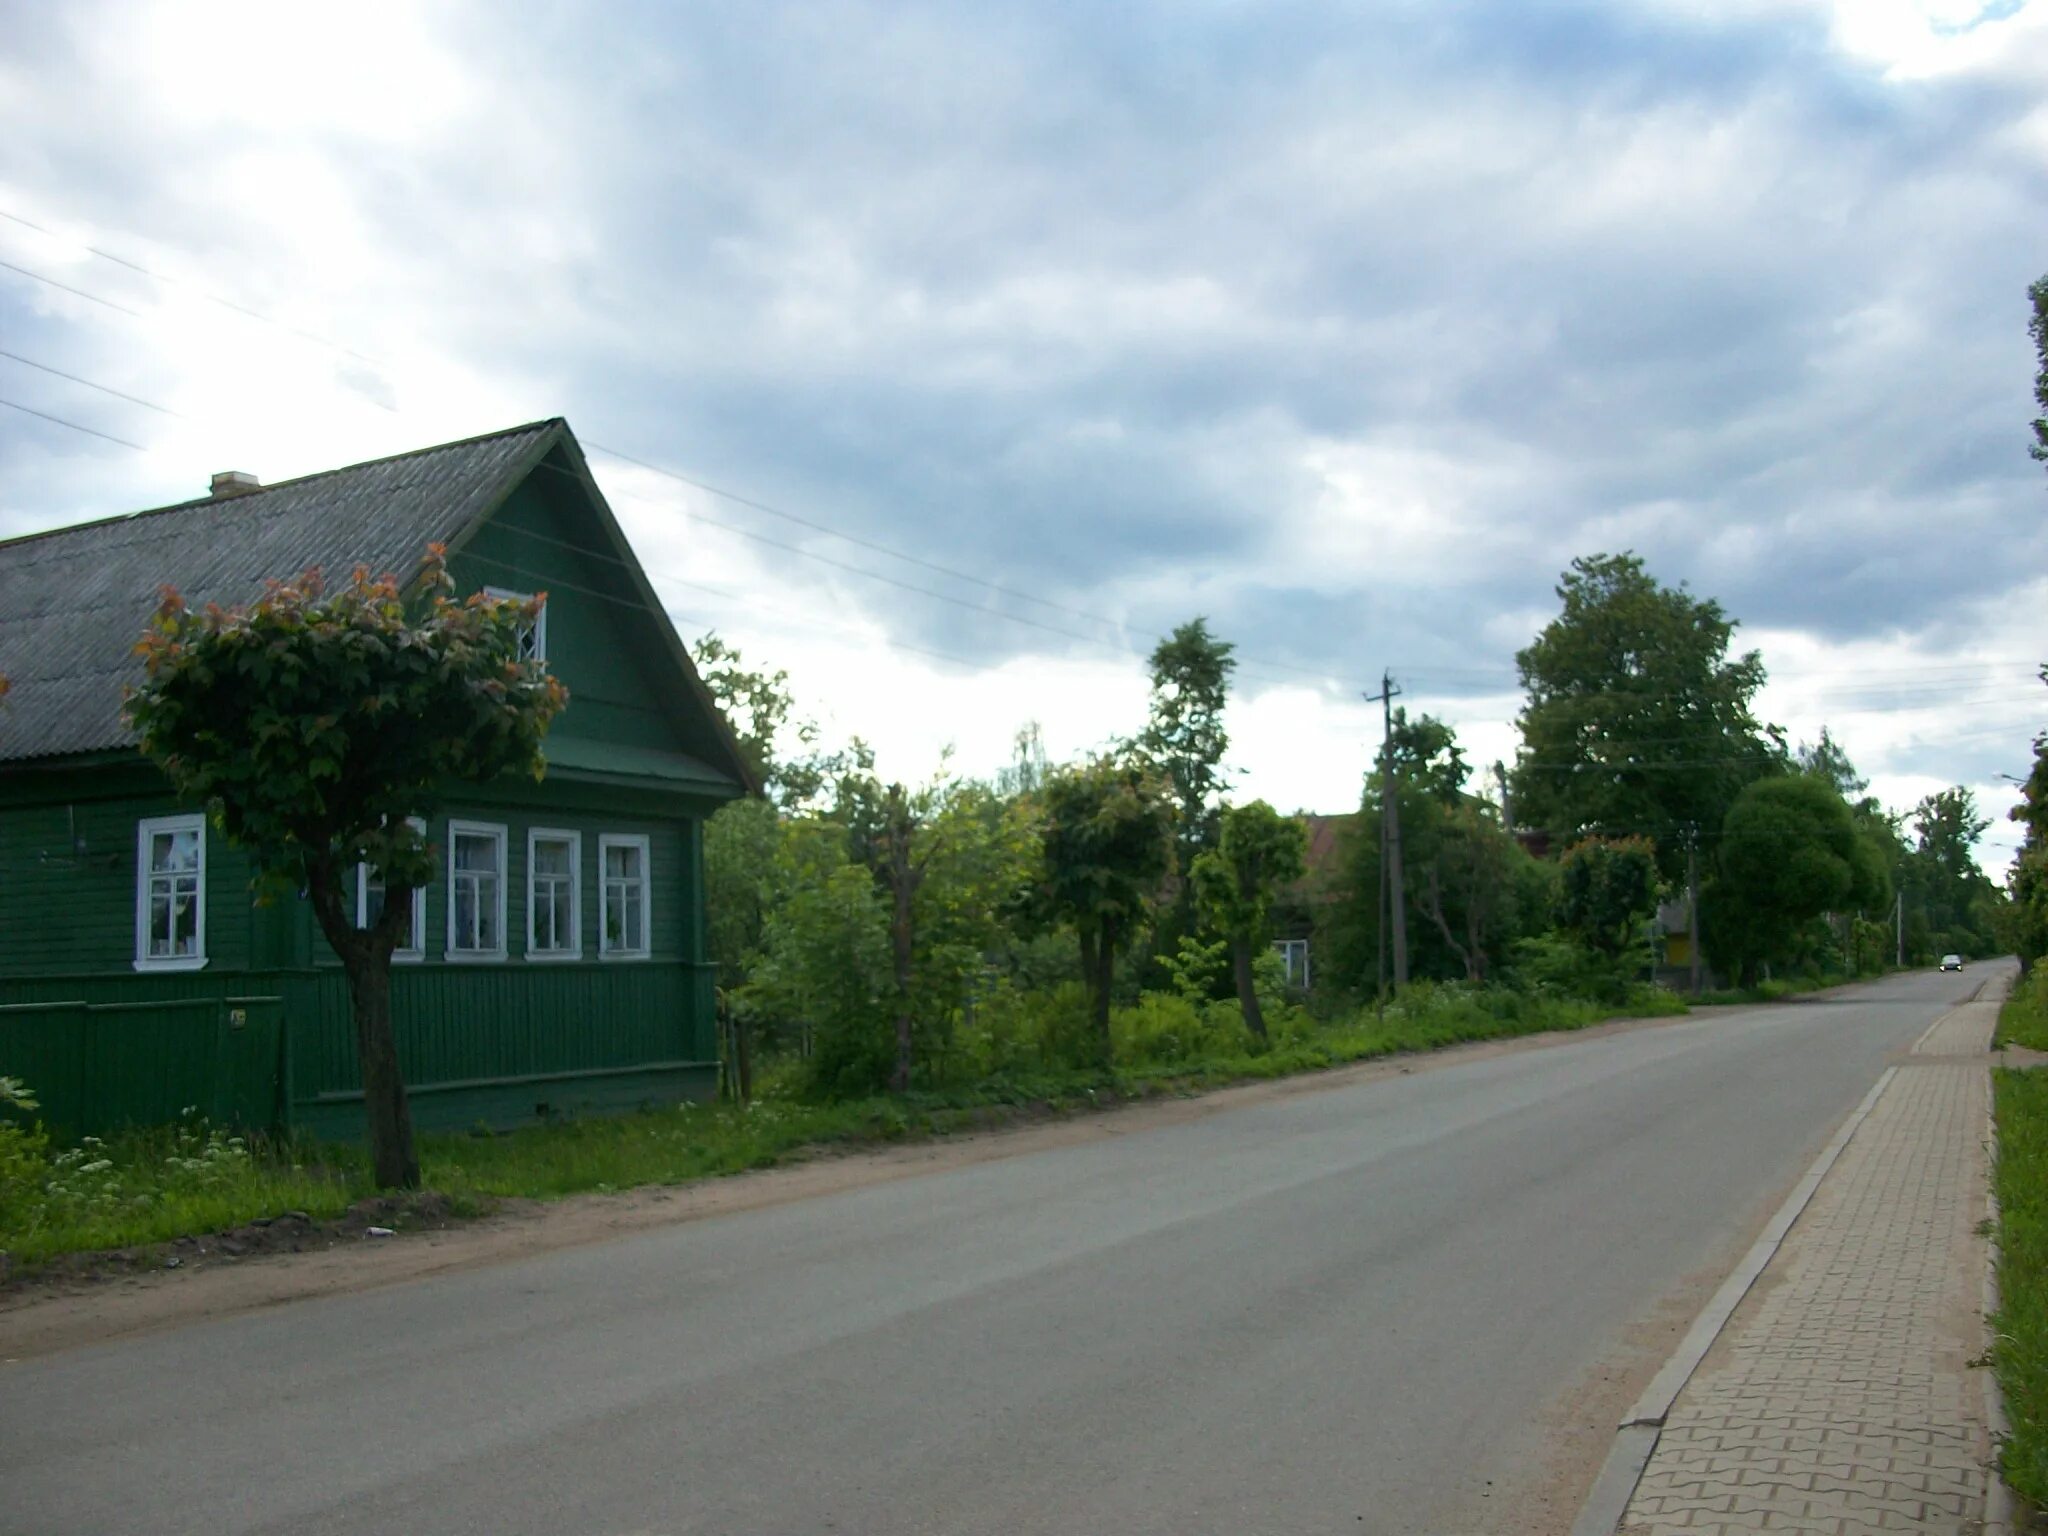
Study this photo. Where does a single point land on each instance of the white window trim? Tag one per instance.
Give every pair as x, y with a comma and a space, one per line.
407, 953
535, 835
605, 842
144, 830
540, 620
1286, 949
496, 832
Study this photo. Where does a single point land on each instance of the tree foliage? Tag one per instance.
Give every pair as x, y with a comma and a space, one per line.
1257, 852
2037, 327
1638, 722
1474, 890
1106, 848
1791, 850
1608, 891
313, 723
1185, 739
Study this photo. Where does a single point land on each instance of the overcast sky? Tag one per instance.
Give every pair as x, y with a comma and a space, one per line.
1346, 326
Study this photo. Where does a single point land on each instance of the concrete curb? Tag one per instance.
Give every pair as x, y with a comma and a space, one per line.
2001, 1505
1636, 1439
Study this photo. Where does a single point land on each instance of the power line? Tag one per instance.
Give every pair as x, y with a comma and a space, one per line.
29, 410
79, 292
172, 282
29, 362
733, 496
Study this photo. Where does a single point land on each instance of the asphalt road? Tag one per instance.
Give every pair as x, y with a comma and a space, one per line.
1362, 1310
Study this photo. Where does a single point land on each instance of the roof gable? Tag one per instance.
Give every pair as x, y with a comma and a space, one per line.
74, 601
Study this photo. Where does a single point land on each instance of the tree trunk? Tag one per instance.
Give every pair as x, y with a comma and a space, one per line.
743, 1056
366, 963
384, 1099
1098, 971
899, 944
1247, 994
1434, 909
904, 878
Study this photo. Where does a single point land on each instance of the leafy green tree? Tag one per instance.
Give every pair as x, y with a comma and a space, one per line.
1257, 851
1826, 760
1637, 722
2037, 327
1106, 847
1185, 739
823, 972
1462, 872
312, 724
740, 842
1472, 886
1608, 890
2025, 929
781, 749
1950, 903
1790, 851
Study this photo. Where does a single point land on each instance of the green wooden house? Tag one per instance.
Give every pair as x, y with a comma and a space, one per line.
556, 965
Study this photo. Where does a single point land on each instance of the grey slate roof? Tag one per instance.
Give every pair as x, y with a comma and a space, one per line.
74, 601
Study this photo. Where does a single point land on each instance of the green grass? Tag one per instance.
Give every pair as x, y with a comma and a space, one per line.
2024, 1018
154, 1186
2019, 1351
1777, 989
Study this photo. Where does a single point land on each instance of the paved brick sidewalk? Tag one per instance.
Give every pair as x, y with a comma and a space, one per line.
1839, 1398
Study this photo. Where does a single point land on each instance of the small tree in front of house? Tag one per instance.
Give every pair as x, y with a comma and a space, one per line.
1257, 852
1106, 848
312, 724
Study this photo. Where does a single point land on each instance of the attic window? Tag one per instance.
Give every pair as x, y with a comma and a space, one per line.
533, 637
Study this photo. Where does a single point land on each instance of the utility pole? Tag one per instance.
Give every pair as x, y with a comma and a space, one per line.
1899, 925
1393, 901
1692, 902
1507, 801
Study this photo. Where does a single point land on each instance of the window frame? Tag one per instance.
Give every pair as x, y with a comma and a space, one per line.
540, 620
534, 837
606, 841
499, 834
1286, 947
146, 829
405, 954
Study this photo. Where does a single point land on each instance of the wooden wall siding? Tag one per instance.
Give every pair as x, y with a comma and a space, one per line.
73, 914
97, 1068
602, 645
459, 1024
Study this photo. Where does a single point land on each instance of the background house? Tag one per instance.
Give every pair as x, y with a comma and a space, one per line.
558, 962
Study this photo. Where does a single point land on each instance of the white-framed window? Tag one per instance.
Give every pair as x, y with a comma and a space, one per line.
554, 907
170, 893
370, 904
476, 891
626, 896
1294, 956
533, 637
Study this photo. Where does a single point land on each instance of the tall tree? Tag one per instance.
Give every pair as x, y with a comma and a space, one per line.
1106, 842
1826, 760
313, 724
1950, 902
1638, 722
781, 748
1790, 851
2037, 327
1185, 739
1608, 892
1257, 852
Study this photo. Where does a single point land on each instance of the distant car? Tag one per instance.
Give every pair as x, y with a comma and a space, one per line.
1951, 962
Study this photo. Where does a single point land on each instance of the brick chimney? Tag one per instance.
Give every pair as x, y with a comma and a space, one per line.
234, 482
